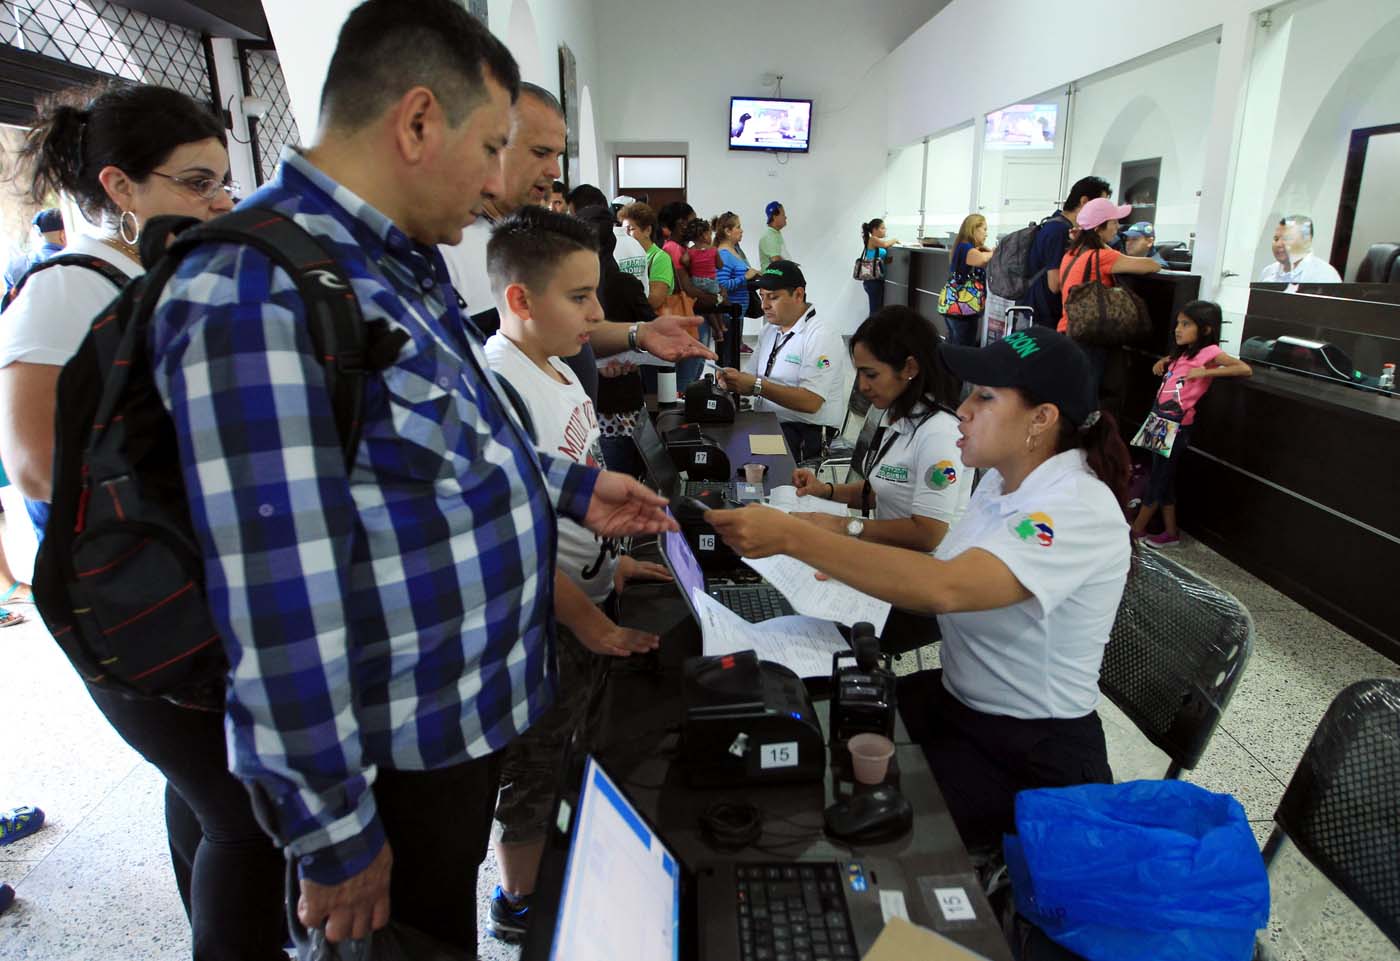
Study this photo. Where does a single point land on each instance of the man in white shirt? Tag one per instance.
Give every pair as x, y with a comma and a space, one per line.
1294, 261
799, 365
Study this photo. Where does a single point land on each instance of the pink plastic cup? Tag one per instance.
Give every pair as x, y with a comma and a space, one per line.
870, 757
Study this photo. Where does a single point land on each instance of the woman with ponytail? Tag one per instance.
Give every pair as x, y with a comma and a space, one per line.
1025, 586
875, 246
124, 155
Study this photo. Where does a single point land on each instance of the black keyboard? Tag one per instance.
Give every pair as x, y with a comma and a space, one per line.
793, 913
754, 603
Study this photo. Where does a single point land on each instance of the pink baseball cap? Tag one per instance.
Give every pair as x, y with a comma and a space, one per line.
1100, 211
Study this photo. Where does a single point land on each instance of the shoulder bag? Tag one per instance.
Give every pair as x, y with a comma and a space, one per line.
1100, 315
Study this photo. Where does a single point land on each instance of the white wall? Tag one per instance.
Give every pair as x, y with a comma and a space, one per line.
947, 198
1152, 110
305, 34
657, 89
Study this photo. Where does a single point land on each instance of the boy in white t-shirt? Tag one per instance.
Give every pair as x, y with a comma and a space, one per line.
544, 273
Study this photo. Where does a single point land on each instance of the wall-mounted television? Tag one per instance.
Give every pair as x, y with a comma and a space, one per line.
1023, 126
758, 123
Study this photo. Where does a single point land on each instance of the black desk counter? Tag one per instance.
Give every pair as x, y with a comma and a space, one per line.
1292, 477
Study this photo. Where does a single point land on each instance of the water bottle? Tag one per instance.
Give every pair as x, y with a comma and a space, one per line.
1387, 378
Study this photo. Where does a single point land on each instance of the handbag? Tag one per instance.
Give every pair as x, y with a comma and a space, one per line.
1104, 316
963, 294
869, 268
1159, 429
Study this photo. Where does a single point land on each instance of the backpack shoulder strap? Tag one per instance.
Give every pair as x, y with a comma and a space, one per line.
335, 324
95, 264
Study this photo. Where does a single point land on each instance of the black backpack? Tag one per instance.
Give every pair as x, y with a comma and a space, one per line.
95, 264
1009, 271
119, 579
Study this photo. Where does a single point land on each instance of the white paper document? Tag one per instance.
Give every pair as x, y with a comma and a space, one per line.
637, 358
830, 600
804, 645
786, 500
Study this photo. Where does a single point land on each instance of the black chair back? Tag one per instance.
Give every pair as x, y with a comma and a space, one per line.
1341, 808
1381, 265
1178, 649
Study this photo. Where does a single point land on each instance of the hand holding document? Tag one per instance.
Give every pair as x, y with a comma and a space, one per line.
786, 500
804, 645
829, 600
637, 358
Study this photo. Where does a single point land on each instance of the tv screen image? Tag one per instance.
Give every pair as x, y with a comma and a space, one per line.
759, 124
1023, 126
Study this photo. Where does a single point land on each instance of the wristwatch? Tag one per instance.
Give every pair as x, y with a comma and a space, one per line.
757, 389
632, 337
854, 526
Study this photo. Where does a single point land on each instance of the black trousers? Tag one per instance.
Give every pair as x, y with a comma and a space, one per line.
438, 824
982, 760
805, 441
228, 871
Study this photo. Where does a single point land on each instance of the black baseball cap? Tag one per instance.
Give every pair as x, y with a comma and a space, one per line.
1049, 366
781, 275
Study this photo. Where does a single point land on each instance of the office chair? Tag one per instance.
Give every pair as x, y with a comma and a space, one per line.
1340, 807
1381, 265
853, 457
1178, 649
841, 443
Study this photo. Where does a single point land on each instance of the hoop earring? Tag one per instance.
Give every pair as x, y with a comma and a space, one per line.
135, 228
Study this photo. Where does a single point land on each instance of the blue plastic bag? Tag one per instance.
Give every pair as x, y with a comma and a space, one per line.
1142, 871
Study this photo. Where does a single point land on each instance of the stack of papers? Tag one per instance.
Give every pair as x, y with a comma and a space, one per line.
786, 500
804, 645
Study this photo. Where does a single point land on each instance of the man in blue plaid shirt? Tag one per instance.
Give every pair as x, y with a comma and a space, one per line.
389, 630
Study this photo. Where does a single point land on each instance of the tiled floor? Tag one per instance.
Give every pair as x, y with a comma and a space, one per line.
95, 883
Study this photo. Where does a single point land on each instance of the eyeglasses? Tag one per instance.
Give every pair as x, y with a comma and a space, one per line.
206, 188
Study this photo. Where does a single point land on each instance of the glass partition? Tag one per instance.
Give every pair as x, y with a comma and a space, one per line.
904, 200
1142, 127
948, 193
1319, 150
1020, 176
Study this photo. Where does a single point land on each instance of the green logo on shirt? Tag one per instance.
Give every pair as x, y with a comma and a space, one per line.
941, 476
793, 359
893, 473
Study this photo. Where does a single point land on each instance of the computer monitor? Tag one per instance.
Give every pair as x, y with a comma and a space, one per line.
622, 885
770, 123
655, 457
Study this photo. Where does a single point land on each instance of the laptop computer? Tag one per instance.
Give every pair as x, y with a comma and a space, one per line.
754, 602
662, 470
625, 894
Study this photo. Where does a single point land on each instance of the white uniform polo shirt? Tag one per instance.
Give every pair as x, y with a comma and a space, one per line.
809, 356
1064, 537
919, 470
1310, 269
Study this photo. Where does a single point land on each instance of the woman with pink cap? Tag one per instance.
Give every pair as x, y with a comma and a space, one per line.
1090, 257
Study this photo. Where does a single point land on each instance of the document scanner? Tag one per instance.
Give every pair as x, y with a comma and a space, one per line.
748, 722
706, 402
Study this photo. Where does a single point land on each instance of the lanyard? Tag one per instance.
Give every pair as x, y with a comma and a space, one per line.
773, 357
872, 462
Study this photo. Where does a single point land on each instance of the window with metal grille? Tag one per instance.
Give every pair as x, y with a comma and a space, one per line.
277, 128
110, 39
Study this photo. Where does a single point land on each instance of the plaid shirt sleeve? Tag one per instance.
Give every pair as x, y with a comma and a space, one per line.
272, 509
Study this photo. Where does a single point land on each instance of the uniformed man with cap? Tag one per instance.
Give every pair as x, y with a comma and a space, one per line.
799, 366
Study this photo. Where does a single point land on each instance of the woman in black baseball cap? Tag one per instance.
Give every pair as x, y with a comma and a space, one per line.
1025, 586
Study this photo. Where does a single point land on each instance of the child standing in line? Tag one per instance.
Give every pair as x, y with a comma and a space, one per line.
700, 258
544, 271
1186, 375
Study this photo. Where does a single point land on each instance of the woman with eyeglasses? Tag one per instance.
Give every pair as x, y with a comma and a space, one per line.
123, 155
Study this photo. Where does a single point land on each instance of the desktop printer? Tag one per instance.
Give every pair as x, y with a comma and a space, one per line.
748, 722
706, 402
695, 455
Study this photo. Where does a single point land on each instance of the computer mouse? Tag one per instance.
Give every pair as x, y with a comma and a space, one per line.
870, 817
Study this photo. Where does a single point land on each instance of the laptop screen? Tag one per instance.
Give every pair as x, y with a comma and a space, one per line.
622, 886
660, 468
681, 560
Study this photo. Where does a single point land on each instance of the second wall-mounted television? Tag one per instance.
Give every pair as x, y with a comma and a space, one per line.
1023, 126
757, 123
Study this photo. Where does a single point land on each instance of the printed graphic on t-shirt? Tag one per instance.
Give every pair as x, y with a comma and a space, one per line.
1034, 528
942, 475
580, 427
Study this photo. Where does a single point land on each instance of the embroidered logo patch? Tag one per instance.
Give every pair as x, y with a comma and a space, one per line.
894, 473
941, 476
1035, 528
823, 362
